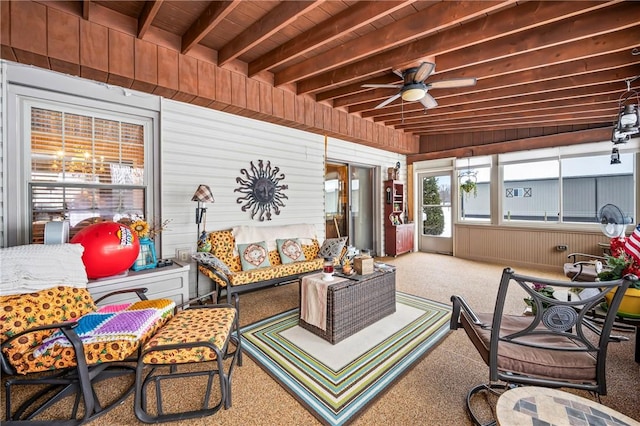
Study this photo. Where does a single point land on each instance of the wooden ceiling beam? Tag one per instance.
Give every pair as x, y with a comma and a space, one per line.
528, 87
581, 67
561, 139
574, 51
276, 19
355, 88
209, 19
558, 105
515, 99
604, 109
148, 14
596, 119
86, 9
357, 16
618, 17
440, 16
504, 23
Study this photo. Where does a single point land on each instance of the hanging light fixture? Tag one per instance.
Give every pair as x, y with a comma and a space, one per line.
615, 156
627, 122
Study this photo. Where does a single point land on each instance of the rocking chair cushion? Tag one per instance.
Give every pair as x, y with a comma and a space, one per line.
45, 307
191, 326
574, 366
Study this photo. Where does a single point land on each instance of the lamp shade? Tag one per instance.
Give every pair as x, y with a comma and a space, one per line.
203, 194
413, 92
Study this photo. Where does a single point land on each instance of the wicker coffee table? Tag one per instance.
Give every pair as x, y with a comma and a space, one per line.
354, 304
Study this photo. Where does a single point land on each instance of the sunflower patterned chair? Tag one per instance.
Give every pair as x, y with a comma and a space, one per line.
194, 343
51, 325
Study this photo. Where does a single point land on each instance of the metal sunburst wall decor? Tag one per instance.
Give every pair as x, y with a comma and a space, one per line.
262, 189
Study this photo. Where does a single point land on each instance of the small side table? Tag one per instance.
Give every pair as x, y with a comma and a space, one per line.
532, 405
170, 282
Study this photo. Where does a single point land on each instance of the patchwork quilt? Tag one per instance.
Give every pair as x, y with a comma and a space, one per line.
112, 333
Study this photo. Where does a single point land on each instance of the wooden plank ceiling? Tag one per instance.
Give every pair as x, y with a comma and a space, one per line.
549, 71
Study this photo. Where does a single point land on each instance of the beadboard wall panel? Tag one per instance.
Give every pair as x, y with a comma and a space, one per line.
524, 247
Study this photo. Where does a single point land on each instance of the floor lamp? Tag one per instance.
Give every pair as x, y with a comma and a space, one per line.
202, 195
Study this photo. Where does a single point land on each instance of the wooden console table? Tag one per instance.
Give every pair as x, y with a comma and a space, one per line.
171, 282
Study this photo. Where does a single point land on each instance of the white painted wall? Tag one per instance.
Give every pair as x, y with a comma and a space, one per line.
204, 146
197, 146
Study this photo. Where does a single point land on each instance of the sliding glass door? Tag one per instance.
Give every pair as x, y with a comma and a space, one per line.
349, 201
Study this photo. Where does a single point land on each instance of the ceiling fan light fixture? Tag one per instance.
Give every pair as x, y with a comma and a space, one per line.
413, 92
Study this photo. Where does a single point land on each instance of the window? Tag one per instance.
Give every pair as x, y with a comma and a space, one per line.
531, 191
590, 182
566, 185
474, 189
84, 166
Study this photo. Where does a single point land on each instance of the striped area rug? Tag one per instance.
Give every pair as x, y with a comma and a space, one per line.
336, 382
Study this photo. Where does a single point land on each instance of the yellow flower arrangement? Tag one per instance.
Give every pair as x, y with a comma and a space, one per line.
143, 229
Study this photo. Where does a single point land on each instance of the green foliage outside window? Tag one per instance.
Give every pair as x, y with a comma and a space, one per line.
433, 224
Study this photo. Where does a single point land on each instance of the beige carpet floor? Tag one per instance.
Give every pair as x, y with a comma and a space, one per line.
431, 393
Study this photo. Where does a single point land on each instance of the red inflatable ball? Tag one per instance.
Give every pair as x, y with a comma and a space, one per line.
109, 248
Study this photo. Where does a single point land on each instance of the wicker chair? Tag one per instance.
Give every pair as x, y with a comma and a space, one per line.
557, 346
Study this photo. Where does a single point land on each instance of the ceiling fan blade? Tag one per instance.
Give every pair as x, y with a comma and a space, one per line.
398, 73
428, 102
387, 101
424, 70
454, 82
383, 86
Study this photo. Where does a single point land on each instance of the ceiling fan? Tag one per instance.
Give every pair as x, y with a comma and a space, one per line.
415, 89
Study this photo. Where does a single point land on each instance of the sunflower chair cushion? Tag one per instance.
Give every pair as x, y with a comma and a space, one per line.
111, 333
191, 326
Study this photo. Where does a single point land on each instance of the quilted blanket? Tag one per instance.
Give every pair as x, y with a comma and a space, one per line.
125, 322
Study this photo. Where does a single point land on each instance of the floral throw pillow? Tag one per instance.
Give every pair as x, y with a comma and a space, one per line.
254, 255
290, 250
332, 247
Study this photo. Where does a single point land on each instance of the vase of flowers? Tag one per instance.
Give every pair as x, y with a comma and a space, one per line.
147, 257
545, 290
619, 264
144, 229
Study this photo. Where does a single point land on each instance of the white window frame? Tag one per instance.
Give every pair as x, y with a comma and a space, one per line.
559, 153
80, 97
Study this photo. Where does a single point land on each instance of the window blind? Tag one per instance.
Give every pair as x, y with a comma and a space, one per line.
84, 167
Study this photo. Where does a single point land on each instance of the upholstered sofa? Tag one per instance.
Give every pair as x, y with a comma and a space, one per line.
220, 260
